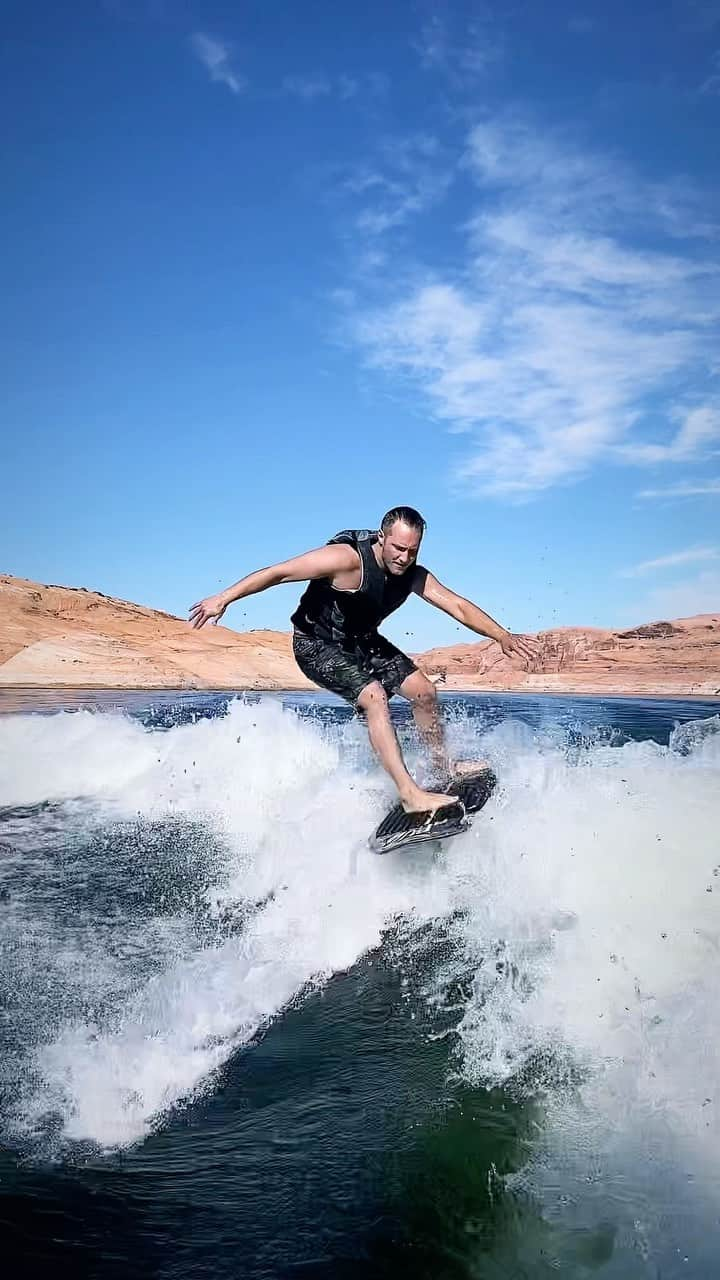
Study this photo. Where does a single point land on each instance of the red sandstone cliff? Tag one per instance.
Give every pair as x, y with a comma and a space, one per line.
52, 636
672, 658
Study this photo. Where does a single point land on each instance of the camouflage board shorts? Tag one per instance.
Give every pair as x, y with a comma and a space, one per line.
348, 669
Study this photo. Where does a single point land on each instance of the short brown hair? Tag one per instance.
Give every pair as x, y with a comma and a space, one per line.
406, 515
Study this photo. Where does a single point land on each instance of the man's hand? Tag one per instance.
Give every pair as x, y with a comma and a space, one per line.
518, 647
211, 607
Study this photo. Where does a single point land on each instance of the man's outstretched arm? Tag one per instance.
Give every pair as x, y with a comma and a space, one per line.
429, 588
325, 562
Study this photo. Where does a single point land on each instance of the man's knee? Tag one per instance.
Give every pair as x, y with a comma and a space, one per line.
372, 699
420, 691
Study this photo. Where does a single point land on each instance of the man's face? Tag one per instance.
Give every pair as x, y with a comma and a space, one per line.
399, 547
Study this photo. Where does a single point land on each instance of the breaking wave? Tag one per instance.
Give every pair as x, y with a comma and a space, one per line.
166, 893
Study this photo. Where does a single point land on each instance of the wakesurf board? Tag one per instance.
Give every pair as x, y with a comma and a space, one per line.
399, 829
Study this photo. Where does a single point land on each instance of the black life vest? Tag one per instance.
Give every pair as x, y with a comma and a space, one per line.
342, 617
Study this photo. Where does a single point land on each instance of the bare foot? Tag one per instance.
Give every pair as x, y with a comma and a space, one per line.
449, 771
419, 801
460, 768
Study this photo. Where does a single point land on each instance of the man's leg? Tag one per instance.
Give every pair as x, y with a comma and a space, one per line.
373, 702
422, 696
347, 675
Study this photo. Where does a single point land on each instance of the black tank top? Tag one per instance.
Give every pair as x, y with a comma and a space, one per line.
342, 617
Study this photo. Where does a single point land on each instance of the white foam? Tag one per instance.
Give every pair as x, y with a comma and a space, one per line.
580, 900
295, 825
602, 879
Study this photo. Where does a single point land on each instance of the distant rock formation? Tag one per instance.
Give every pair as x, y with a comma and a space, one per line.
54, 636
667, 658
653, 631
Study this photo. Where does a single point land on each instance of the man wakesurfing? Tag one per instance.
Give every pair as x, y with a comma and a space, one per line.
355, 581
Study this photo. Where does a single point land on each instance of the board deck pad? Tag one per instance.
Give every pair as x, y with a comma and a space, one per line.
399, 828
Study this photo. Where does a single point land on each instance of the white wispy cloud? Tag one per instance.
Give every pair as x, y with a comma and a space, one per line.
307, 87
684, 489
692, 595
697, 428
216, 57
581, 25
461, 51
711, 84
348, 86
690, 556
559, 333
311, 88
412, 174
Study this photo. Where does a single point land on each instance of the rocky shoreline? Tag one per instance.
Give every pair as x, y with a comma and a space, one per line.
65, 637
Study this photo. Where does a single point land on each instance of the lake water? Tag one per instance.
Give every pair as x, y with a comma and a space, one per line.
237, 1044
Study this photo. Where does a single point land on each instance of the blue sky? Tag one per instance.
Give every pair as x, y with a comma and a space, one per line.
274, 267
